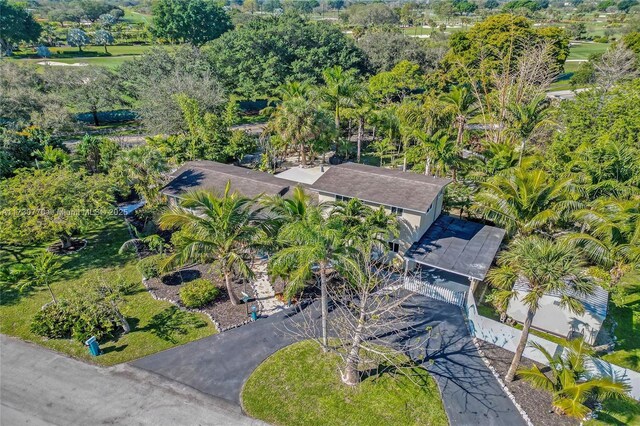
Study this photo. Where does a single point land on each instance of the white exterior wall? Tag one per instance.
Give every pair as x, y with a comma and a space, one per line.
553, 318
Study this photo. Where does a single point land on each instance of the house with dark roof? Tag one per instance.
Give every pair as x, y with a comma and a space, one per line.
553, 318
416, 199
210, 175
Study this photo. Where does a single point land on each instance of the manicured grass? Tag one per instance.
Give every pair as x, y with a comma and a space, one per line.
300, 385
627, 331
155, 325
584, 50
92, 55
618, 413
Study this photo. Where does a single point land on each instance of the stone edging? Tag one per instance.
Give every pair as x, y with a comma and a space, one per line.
504, 387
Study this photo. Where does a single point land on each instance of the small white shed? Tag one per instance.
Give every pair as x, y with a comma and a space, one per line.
552, 318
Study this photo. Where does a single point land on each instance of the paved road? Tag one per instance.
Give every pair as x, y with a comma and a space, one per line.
220, 364
41, 387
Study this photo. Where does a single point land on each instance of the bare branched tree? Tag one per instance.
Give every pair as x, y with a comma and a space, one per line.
617, 64
370, 327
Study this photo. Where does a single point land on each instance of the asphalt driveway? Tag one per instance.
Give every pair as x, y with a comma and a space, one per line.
219, 365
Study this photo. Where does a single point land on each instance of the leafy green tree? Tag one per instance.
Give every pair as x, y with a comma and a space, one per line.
398, 83
570, 382
625, 5
103, 37
385, 49
543, 266
16, 25
367, 15
524, 201
255, 59
39, 205
312, 246
92, 9
214, 229
339, 90
77, 38
97, 154
189, 21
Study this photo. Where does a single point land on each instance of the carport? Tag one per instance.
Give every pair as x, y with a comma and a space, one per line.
452, 251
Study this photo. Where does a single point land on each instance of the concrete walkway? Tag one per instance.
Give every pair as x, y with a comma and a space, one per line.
42, 387
219, 365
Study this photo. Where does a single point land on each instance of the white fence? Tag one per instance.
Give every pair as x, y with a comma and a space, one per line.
507, 337
434, 291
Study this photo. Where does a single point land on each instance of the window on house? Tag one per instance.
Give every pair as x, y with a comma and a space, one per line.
397, 210
342, 198
394, 247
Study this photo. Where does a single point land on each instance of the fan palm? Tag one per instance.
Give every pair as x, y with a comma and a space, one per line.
523, 200
570, 383
461, 101
142, 168
610, 234
541, 266
299, 121
314, 245
214, 229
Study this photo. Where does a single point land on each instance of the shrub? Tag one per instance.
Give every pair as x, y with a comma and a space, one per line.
64, 320
149, 267
198, 293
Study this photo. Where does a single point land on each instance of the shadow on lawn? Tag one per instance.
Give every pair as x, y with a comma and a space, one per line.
172, 322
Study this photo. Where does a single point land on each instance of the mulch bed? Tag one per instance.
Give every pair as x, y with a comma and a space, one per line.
224, 313
535, 402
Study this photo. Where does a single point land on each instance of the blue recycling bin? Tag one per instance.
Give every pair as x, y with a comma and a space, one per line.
94, 347
254, 313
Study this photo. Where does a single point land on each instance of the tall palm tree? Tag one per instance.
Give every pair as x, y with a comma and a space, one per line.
523, 200
542, 266
610, 234
339, 91
315, 245
461, 101
438, 151
299, 121
365, 225
361, 107
570, 383
214, 229
524, 120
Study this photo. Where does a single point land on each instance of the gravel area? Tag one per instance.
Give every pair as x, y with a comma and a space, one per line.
224, 313
535, 402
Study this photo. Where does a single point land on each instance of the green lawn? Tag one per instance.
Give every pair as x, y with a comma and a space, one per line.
92, 55
584, 50
617, 413
300, 385
627, 331
156, 325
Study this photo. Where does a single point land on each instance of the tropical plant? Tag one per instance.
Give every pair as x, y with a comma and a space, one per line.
42, 271
102, 38
524, 201
538, 266
610, 234
525, 119
216, 229
142, 169
339, 90
197, 293
573, 387
314, 245
461, 101
438, 152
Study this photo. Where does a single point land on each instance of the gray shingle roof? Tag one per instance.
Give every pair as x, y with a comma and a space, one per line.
459, 246
595, 303
390, 187
210, 175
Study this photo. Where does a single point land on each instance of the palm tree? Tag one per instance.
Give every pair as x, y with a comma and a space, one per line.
610, 234
43, 270
299, 121
363, 224
525, 120
461, 101
438, 152
214, 229
542, 266
571, 384
361, 107
142, 168
339, 91
314, 245
523, 200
